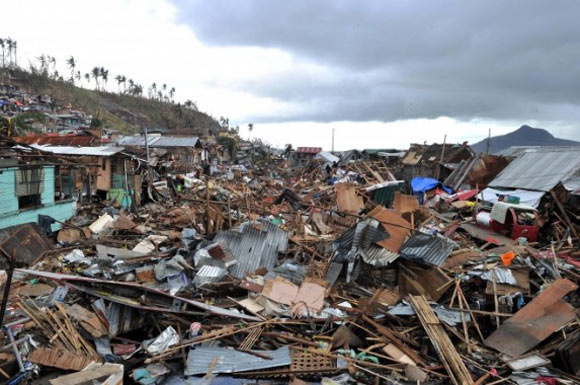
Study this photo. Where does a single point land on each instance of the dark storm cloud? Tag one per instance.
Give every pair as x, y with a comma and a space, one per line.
389, 60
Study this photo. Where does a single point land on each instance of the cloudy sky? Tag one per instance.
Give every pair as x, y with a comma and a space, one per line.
381, 73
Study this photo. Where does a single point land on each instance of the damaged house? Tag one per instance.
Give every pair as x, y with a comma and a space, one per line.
28, 191
434, 161
177, 154
534, 173
112, 173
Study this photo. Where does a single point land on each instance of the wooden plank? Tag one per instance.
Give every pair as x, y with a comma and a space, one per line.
445, 349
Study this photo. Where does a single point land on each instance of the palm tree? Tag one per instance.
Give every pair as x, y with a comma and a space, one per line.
153, 89
105, 76
42, 59
124, 81
172, 93
88, 78
72, 65
52, 60
159, 95
15, 55
191, 105
3, 52
96, 73
78, 76
119, 80
9, 44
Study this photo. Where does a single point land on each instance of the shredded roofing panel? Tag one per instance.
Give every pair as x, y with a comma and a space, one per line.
427, 248
308, 150
83, 151
254, 248
539, 169
159, 141
202, 360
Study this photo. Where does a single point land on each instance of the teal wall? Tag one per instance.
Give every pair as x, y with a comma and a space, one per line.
10, 215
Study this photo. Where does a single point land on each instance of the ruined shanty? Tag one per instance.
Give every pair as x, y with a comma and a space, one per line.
435, 161
30, 190
112, 173
181, 154
304, 154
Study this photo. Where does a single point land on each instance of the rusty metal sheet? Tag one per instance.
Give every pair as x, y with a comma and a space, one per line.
536, 321
24, 243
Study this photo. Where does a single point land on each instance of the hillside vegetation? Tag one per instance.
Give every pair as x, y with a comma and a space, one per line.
124, 112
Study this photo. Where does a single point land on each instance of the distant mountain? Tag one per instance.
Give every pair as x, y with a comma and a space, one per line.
523, 136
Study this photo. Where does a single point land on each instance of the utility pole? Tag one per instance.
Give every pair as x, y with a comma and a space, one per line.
488, 140
333, 140
146, 145
438, 171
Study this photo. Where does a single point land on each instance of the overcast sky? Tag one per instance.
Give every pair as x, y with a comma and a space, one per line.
382, 73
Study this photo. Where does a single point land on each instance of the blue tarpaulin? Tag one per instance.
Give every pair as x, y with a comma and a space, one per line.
421, 184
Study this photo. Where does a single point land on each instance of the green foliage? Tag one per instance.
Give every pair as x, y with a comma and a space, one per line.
229, 143
96, 123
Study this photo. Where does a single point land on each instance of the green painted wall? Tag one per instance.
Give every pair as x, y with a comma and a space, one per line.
10, 215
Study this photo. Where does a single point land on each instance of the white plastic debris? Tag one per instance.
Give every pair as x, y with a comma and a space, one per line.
161, 343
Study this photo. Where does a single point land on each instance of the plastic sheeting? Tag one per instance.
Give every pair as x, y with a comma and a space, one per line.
421, 184
528, 198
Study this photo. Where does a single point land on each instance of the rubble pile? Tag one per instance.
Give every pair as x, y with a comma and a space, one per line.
326, 273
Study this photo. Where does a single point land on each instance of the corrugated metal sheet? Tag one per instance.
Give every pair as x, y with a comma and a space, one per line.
327, 157
159, 141
308, 150
378, 256
202, 360
208, 274
253, 247
427, 248
357, 238
539, 169
60, 140
83, 151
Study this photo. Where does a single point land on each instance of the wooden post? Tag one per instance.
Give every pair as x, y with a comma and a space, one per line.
496, 302
229, 212
564, 215
207, 216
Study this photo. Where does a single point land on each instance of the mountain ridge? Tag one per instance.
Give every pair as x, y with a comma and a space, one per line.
523, 136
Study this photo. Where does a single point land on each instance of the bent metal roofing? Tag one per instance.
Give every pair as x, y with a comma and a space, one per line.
160, 141
540, 169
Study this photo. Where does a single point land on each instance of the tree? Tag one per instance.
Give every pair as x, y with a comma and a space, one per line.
15, 54
9, 45
52, 60
96, 72
288, 149
78, 76
72, 66
172, 93
3, 52
105, 76
43, 60
119, 80
88, 78
190, 105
